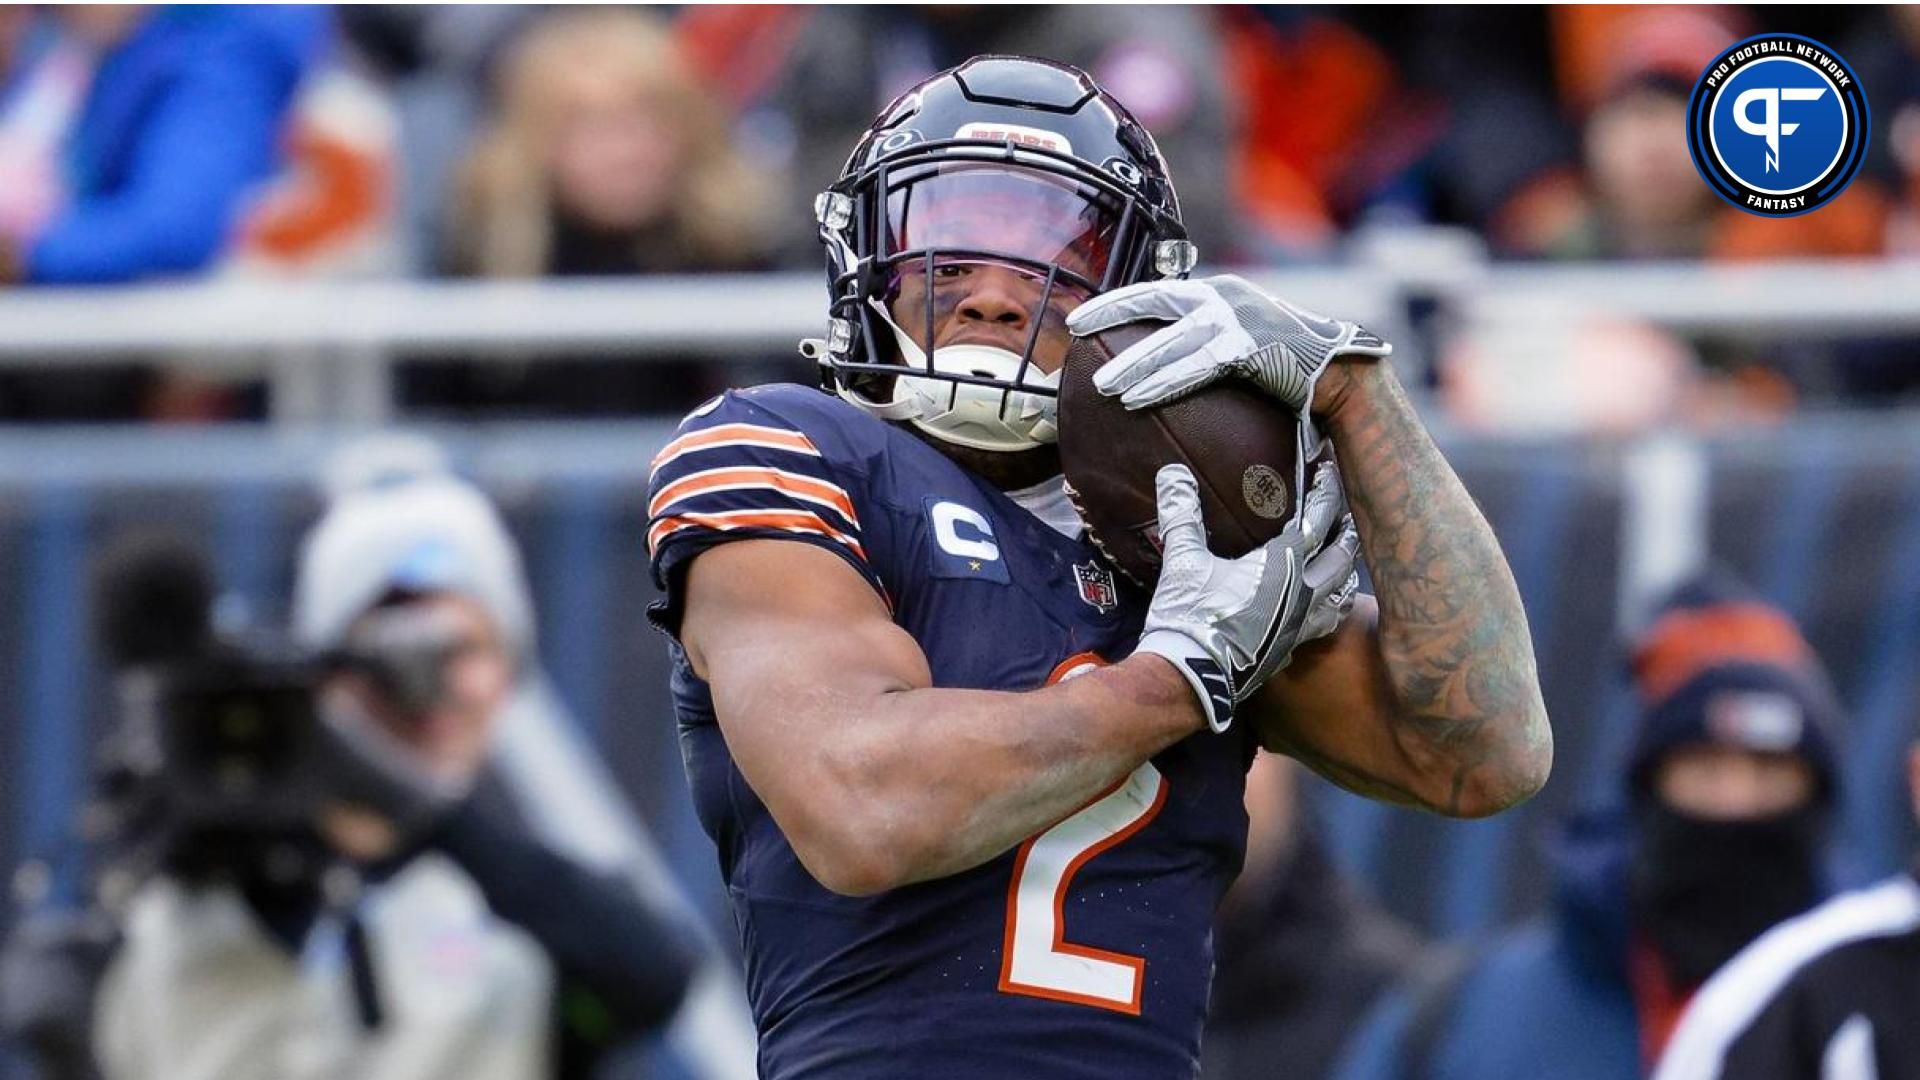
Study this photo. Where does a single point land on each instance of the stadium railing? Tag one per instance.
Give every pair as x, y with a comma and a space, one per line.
327, 348
1822, 514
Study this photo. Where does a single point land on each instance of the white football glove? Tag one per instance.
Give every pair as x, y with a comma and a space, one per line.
1229, 624
1221, 326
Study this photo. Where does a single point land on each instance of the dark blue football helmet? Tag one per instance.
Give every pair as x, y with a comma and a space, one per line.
1005, 162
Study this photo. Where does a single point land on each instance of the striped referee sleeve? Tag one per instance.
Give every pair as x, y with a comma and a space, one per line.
1747, 1022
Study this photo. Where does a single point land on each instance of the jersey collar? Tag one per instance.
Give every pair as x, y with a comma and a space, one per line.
1048, 501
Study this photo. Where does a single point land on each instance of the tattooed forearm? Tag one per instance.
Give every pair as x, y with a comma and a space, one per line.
1349, 775
1452, 636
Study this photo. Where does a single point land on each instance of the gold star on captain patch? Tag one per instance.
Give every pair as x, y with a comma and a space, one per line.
973, 564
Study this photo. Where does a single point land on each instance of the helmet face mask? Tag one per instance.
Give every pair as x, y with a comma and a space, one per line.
990, 200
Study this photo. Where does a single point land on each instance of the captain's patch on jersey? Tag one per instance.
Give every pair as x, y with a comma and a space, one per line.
963, 543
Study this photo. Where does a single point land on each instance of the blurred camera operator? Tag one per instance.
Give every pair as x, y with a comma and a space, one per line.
343, 885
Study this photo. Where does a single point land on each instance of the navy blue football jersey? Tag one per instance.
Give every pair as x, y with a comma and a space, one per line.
1086, 951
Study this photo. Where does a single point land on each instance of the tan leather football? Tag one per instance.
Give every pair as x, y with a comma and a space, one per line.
1240, 444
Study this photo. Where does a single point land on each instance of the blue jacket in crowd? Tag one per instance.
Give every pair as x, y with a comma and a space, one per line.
183, 120
1548, 1001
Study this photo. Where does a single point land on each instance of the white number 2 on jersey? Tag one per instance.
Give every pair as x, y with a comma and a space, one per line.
1036, 959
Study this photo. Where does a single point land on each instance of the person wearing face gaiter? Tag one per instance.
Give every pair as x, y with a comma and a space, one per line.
1829, 993
1730, 787
1716, 832
1703, 889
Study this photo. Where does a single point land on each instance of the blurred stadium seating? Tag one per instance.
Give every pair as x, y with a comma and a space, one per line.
1821, 510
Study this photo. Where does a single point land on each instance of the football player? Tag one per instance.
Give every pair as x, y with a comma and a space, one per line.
975, 800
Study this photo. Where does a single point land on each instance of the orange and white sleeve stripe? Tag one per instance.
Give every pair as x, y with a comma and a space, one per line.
734, 436
789, 521
756, 478
752, 496
732, 486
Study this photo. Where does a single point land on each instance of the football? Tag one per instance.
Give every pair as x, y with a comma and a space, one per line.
1240, 444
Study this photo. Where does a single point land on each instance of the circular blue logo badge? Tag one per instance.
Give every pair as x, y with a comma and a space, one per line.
1778, 125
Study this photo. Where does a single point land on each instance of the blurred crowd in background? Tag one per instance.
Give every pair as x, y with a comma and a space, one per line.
517, 142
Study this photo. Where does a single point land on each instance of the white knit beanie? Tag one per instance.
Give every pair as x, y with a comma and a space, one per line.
415, 528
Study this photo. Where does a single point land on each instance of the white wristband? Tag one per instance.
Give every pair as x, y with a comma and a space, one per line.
1209, 681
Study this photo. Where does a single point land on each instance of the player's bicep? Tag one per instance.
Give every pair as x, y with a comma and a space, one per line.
795, 647
1333, 709
778, 616
798, 652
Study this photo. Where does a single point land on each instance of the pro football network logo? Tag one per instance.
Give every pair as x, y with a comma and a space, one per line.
1777, 125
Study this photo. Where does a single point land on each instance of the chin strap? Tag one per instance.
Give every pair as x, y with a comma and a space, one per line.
886, 410
915, 398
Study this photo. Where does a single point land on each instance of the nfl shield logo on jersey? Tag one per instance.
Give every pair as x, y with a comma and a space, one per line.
1096, 586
